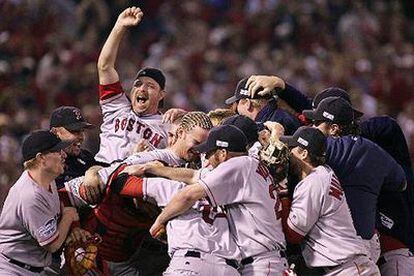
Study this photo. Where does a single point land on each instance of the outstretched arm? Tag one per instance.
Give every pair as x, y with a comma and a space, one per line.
187, 176
106, 61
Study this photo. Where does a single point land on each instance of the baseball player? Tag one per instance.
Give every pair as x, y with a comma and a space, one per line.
241, 183
192, 130
318, 215
68, 123
115, 217
199, 241
32, 224
354, 160
126, 120
394, 218
260, 108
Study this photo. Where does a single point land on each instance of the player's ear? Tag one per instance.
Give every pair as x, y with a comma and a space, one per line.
334, 130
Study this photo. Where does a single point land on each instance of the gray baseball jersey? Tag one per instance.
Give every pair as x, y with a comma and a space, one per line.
122, 128
243, 184
165, 155
203, 228
320, 212
29, 221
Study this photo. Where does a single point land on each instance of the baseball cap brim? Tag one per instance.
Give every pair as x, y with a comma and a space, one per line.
309, 114
60, 146
289, 141
358, 114
204, 147
231, 100
78, 126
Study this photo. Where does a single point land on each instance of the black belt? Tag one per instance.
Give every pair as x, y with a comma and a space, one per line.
249, 260
195, 254
31, 268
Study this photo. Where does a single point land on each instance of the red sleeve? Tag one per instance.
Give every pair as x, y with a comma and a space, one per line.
132, 187
64, 197
109, 90
290, 234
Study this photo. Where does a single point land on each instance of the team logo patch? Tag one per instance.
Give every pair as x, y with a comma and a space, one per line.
222, 144
386, 221
78, 115
328, 115
48, 229
303, 142
244, 92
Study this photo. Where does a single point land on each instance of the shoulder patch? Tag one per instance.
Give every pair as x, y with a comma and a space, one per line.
48, 229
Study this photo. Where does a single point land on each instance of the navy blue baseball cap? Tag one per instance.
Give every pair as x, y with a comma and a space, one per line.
242, 92
334, 92
226, 137
309, 138
42, 141
154, 74
246, 125
331, 109
69, 117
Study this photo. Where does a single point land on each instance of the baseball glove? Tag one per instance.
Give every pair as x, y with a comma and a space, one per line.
276, 156
80, 256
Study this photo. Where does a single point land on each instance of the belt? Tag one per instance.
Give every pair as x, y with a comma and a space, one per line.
250, 259
195, 254
31, 268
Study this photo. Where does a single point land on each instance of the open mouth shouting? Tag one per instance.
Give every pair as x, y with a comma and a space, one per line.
141, 99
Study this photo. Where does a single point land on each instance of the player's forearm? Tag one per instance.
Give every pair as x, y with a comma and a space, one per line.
63, 230
107, 58
178, 174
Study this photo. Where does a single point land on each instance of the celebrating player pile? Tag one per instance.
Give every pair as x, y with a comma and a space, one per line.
173, 195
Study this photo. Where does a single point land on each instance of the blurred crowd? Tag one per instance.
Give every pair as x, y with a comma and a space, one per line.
49, 49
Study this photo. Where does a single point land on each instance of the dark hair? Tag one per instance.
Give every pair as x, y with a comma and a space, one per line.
344, 128
315, 160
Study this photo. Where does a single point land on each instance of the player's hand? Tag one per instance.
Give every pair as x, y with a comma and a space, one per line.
282, 189
172, 114
276, 129
78, 234
130, 17
263, 85
91, 188
137, 170
158, 231
71, 213
142, 145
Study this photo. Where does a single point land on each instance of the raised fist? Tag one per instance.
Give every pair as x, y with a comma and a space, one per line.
130, 17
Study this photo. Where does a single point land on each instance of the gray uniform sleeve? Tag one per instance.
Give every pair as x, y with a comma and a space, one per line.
40, 221
306, 206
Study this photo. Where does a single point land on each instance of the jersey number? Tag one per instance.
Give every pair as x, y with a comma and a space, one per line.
210, 214
278, 206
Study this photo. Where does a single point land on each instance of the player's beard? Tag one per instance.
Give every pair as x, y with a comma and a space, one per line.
295, 168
